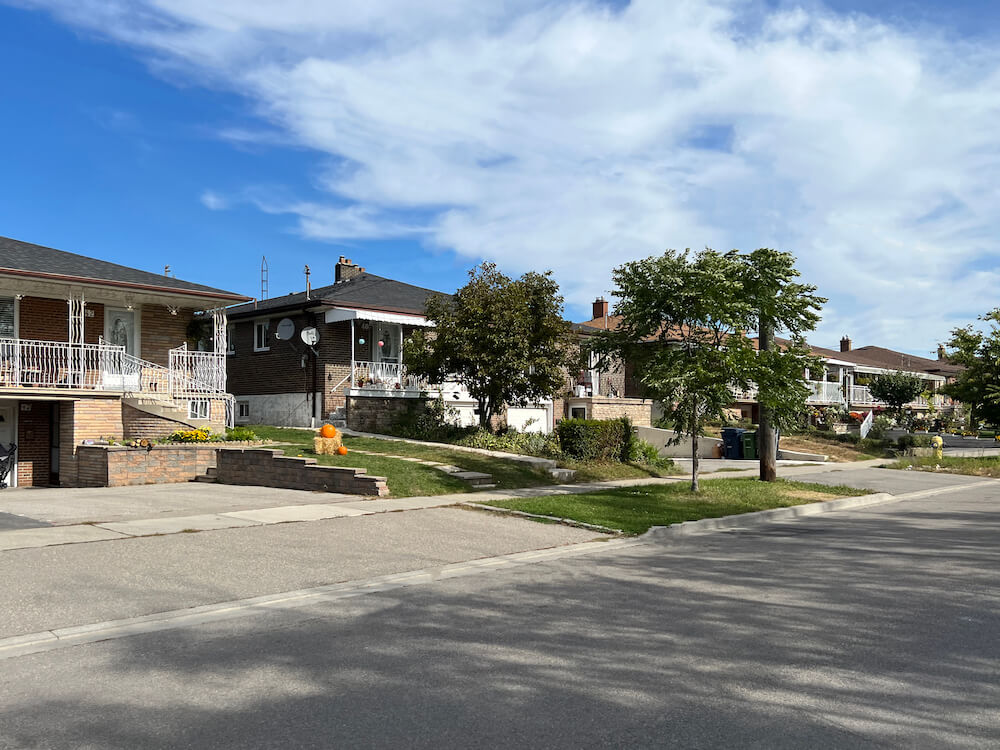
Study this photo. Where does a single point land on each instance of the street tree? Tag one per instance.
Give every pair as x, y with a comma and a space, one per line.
896, 389
504, 339
684, 320
978, 384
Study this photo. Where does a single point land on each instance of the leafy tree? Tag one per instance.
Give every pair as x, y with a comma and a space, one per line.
505, 340
896, 389
684, 320
978, 385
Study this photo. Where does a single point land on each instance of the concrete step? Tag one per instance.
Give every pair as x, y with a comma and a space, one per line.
211, 471
485, 486
475, 478
206, 479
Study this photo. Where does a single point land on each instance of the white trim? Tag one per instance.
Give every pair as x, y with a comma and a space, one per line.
339, 314
267, 336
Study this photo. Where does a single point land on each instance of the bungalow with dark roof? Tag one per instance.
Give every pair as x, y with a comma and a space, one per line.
92, 349
336, 353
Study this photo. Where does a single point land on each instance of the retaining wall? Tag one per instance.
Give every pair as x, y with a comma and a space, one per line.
271, 468
120, 466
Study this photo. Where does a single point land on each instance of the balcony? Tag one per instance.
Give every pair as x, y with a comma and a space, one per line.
824, 393
385, 376
27, 364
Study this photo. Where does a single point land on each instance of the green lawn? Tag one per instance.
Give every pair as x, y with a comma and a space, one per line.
635, 509
404, 477
981, 466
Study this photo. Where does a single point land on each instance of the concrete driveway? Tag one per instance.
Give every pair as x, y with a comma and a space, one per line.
859, 629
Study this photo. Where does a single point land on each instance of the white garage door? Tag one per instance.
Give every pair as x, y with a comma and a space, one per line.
528, 420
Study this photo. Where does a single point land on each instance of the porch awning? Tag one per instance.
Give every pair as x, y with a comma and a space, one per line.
338, 314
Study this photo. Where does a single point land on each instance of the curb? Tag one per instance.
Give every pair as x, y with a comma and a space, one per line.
555, 519
761, 517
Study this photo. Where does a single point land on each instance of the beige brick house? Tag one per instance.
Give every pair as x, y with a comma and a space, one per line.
92, 349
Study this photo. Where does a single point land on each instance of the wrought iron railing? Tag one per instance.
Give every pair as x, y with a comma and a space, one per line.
385, 376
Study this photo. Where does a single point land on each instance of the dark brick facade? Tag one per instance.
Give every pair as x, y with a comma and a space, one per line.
47, 319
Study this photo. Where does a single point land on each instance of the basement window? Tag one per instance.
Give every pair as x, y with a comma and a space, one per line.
198, 408
244, 409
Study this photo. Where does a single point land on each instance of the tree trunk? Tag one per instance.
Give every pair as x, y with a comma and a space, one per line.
694, 449
484, 415
766, 444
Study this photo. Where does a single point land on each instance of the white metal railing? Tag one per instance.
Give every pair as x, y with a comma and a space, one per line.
385, 376
824, 393
198, 372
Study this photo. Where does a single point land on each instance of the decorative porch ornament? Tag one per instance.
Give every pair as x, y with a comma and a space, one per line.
361, 341
381, 343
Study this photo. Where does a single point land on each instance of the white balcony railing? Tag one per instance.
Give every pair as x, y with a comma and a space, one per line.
385, 376
824, 393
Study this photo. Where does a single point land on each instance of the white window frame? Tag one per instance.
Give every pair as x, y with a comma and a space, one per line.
199, 408
231, 338
243, 409
266, 324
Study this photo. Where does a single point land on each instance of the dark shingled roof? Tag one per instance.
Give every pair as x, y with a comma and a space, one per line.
38, 260
365, 290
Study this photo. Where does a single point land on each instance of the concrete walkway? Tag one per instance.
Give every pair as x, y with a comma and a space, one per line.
302, 510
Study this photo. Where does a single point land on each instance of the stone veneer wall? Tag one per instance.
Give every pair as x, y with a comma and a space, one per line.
638, 410
119, 466
271, 468
379, 413
86, 419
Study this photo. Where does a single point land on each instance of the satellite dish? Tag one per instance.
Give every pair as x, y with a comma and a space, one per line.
285, 329
310, 336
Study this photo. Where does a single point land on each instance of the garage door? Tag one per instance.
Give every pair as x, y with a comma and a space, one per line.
528, 420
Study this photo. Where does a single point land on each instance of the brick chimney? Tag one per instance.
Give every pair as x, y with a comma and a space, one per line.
600, 307
942, 354
347, 270
845, 344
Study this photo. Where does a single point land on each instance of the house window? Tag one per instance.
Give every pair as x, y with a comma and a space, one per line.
261, 329
578, 412
7, 317
244, 409
231, 338
198, 408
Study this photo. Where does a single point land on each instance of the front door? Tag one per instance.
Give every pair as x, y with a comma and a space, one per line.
119, 329
386, 342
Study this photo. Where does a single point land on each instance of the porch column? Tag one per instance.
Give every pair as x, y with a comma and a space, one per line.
352, 353
77, 315
220, 346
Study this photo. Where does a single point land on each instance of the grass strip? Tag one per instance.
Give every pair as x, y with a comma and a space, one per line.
977, 466
635, 509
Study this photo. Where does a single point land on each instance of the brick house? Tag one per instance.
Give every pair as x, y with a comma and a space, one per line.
354, 372
90, 349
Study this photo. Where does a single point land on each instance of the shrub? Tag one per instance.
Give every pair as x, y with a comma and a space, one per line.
913, 441
590, 439
199, 435
646, 453
512, 441
875, 446
880, 425
241, 434
428, 420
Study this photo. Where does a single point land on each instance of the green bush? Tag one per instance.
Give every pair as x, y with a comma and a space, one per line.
241, 434
880, 425
913, 441
646, 453
874, 446
512, 441
597, 439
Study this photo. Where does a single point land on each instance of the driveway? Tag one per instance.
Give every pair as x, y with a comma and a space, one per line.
868, 628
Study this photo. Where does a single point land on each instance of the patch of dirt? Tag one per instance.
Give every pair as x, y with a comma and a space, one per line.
811, 495
838, 452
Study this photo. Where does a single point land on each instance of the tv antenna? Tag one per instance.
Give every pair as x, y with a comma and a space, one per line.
263, 277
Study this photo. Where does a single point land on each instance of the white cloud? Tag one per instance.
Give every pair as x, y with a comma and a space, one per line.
213, 201
575, 136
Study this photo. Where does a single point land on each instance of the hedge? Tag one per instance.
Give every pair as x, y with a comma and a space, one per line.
596, 439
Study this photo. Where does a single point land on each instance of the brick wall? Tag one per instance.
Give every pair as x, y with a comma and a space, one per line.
33, 436
159, 332
138, 425
639, 411
47, 319
271, 468
86, 419
278, 370
118, 466
379, 413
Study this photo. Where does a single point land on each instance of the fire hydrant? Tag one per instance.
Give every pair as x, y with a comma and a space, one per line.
938, 444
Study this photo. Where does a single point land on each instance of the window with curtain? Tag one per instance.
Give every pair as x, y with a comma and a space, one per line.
7, 317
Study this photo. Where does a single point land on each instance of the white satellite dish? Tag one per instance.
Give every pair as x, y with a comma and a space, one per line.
285, 330
310, 336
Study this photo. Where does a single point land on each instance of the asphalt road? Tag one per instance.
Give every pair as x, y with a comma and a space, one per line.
870, 628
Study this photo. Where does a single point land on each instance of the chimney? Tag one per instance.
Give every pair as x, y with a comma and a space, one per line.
347, 270
942, 354
600, 308
845, 344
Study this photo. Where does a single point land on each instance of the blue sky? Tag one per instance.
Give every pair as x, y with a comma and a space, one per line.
564, 135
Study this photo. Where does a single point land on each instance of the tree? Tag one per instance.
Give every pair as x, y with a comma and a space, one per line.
896, 389
683, 323
505, 340
978, 385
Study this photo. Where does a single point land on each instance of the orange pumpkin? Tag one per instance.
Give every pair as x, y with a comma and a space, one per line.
328, 431
342, 451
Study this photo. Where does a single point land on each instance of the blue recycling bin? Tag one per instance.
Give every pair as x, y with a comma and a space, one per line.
732, 438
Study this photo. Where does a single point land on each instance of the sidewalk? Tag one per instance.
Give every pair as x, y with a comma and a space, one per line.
25, 538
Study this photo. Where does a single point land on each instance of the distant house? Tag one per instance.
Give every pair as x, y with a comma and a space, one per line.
355, 373
92, 349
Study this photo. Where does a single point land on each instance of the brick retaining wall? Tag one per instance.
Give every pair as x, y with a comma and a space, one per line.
271, 468
120, 466
379, 413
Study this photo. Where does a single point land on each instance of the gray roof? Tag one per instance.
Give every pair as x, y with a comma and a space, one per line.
365, 290
31, 259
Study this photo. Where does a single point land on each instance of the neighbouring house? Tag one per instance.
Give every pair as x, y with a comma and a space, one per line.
354, 373
91, 349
